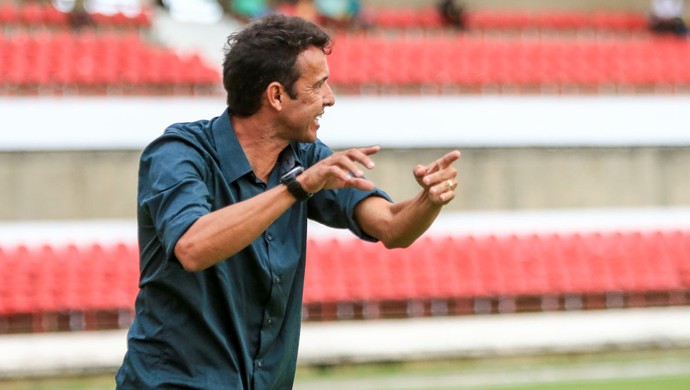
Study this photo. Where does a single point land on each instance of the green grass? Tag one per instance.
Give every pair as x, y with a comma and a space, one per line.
88, 382
626, 370
629, 370
672, 383
107, 382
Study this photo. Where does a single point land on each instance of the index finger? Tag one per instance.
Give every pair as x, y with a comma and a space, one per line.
369, 150
361, 155
442, 163
448, 159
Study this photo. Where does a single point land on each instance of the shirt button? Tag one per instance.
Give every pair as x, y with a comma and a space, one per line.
277, 279
259, 363
269, 321
269, 236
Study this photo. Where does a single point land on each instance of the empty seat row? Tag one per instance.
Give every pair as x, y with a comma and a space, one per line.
473, 62
66, 278
28, 61
493, 266
46, 278
90, 60
485, 19
32, 14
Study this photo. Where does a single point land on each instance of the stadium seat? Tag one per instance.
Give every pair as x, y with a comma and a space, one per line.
8, 13
89, 61
547, 264
517, 62
511, 20
33, 14
99, 277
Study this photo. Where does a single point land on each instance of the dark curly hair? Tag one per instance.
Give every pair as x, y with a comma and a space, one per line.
263, 52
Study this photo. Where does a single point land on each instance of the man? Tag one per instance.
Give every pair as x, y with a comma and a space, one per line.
222, 212
452, 13
667, 17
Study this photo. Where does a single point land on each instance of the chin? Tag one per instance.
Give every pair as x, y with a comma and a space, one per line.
307, 139
310, 137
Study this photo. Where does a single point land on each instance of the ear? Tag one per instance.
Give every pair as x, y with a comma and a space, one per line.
275, 93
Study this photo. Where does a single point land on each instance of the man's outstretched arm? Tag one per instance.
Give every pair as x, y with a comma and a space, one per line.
398, 225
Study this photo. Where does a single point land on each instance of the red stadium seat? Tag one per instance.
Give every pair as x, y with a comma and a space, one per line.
19, 270
468, 262
55, 17
525, 62
95, 61
100, 277
492, 19
9, 14
323, 282
31, 13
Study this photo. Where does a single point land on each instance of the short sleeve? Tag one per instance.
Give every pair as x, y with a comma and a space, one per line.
336, 208
172, 190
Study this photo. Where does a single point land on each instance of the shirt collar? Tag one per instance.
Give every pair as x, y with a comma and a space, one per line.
233, 160
289, 158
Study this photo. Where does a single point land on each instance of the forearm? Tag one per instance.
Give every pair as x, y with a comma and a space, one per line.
222, 233
397, 225
410, 219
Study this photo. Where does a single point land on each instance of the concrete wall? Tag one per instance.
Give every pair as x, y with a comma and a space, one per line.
38, 185
68, 185
519, 152
536, 178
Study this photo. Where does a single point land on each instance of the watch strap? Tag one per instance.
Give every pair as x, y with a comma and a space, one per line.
293, 186
297, 191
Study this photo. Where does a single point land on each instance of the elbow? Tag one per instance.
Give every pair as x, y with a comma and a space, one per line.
186, 255
191, 266
392, 240
396, 243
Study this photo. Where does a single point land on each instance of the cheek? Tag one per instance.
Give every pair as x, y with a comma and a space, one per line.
310, 100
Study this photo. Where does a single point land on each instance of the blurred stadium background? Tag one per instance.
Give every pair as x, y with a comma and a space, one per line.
570, 237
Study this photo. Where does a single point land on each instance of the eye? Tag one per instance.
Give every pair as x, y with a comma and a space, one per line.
320, 84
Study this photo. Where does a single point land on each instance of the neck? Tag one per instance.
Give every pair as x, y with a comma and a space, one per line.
259, 143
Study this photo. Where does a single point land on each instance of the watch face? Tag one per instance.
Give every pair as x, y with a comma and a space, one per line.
292, 173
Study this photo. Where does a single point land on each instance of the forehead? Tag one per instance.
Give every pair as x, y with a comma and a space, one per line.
312, 63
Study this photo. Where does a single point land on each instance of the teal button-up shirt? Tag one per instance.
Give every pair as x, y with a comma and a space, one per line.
235, 325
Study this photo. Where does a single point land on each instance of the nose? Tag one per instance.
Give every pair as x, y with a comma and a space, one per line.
329, 97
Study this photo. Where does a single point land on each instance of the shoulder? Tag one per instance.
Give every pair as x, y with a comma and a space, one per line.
182, 138
193, 133
184, 144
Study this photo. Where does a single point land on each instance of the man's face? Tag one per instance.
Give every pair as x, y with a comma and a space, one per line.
301, 115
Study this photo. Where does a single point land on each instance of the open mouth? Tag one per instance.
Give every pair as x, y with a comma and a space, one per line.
317, 119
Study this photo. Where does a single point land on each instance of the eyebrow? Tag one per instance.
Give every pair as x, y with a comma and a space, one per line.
321, 81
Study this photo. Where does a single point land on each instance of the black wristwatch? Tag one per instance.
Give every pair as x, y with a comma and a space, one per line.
290, 180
